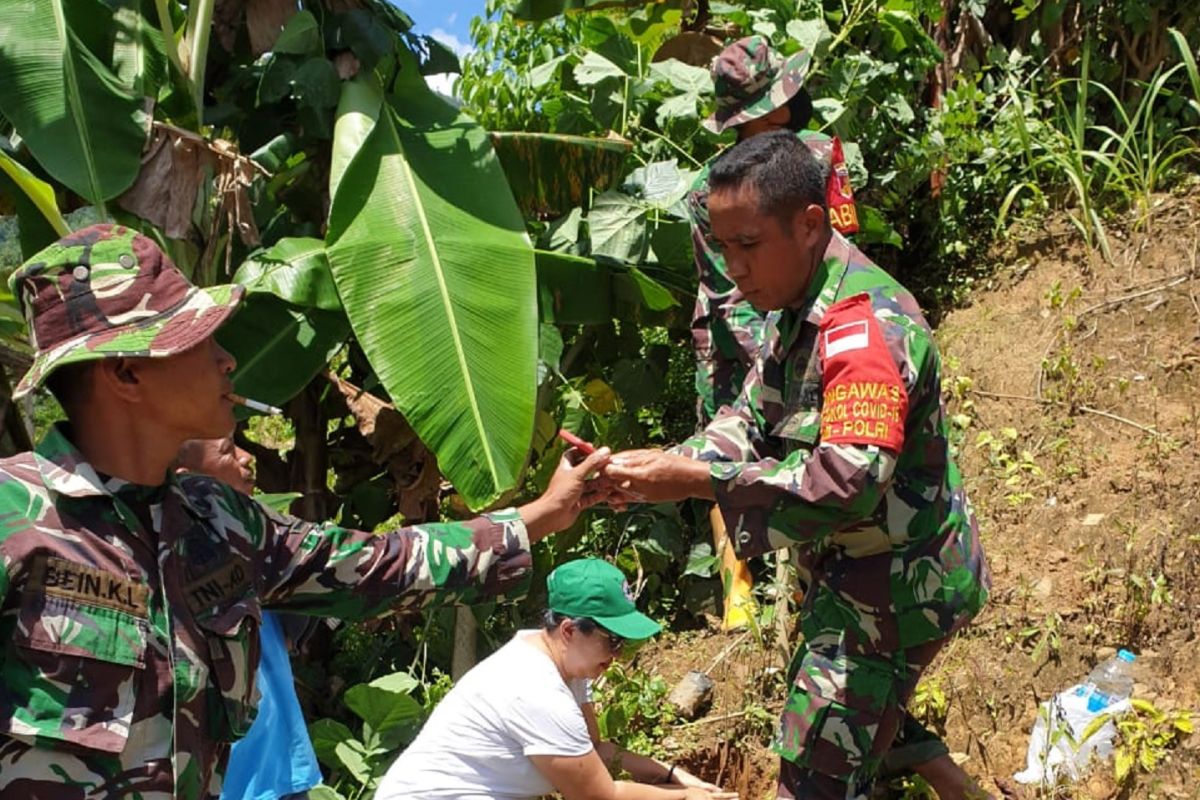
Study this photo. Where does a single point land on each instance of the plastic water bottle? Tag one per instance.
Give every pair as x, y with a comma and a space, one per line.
1109, 682
1106, 691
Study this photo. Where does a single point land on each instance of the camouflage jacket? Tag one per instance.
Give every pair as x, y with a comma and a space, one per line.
727, 330
838, 448
130, 615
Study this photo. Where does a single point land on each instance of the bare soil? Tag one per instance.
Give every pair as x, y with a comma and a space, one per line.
1083, 378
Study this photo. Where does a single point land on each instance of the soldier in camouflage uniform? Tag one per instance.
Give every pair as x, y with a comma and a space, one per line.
756, 92
131, 598
837, 447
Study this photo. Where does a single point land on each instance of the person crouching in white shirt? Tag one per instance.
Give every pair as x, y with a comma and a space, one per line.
520, 724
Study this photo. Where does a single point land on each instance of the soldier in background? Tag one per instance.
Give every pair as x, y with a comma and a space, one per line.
757, 91
836, 447
131, 597
275, 759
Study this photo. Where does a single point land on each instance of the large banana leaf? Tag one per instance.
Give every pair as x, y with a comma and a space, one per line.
37, 211
436, 274
79, 122
551, 173
290, 323
279, 347
574, 290
295, 270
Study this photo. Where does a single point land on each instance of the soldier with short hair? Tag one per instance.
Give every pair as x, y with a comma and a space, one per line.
837, 447
131, 597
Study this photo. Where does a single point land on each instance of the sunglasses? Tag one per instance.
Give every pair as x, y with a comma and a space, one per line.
615, 643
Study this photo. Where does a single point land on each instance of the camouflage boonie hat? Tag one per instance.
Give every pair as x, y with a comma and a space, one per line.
751, 80
106, 291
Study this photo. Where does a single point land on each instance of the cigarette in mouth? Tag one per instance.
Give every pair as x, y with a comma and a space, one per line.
254, 405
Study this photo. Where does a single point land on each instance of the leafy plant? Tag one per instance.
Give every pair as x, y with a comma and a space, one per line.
1147, 735
390, 716
631, 708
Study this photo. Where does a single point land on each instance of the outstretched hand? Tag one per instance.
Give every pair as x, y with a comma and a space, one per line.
571, 490
655, 476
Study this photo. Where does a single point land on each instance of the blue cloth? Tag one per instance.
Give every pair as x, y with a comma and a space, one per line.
276, 757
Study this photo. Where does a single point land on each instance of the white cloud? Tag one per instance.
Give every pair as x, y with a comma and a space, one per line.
460, 47
450, 20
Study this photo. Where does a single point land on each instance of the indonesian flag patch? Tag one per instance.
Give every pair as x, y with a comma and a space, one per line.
865, 401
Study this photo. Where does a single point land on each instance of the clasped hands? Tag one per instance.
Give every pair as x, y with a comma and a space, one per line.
648, 476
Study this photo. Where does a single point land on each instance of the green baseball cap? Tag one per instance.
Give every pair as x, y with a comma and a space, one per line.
106, 291
597, 590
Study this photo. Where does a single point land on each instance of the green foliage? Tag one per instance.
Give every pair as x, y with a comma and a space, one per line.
1147, 735
632, 708
436, 276
390, 717
72, 94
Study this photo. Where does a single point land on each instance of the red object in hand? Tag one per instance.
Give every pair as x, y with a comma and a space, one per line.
585, 447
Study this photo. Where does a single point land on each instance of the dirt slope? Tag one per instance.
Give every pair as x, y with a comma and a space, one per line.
1074, 384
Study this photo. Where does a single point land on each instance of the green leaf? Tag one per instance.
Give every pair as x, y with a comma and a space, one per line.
279, 347
543, 73
323, 792
683, 77
139, 58
550, 173
366, 34
295, 270
537, 10
383, 706
661, 184
811, 34
301, 36
573, 290
37, 211
357, 111
316, 84
829, 109
618, 227
595, 68
435, 271
353, 756
326, 734
81, 125
701, 561
550, 350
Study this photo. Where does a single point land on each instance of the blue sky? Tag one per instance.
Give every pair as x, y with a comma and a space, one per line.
448, 21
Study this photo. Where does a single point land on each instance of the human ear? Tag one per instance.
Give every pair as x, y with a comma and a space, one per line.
809, 224
119, 377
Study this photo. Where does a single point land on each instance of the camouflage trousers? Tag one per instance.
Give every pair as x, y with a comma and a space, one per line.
845, 718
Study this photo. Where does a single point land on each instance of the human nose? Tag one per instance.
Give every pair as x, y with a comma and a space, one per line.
735, 264
225, 359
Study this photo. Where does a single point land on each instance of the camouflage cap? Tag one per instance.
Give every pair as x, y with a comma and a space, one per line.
106, 291
751, 79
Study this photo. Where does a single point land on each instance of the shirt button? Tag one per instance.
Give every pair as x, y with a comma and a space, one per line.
127, 260
744, 537
81, 273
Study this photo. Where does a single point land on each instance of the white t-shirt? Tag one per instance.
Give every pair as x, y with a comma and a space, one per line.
476, 744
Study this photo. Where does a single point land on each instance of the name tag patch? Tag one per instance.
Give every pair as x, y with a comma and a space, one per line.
228, 582
89, 585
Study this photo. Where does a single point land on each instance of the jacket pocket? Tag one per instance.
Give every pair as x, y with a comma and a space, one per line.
72, 673
232, 634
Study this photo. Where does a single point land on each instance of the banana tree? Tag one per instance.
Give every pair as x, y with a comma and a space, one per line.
384, 214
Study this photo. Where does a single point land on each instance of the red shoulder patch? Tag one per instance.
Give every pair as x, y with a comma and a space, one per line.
865, 400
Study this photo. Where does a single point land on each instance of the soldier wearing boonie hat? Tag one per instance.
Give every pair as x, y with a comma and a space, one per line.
130, 596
